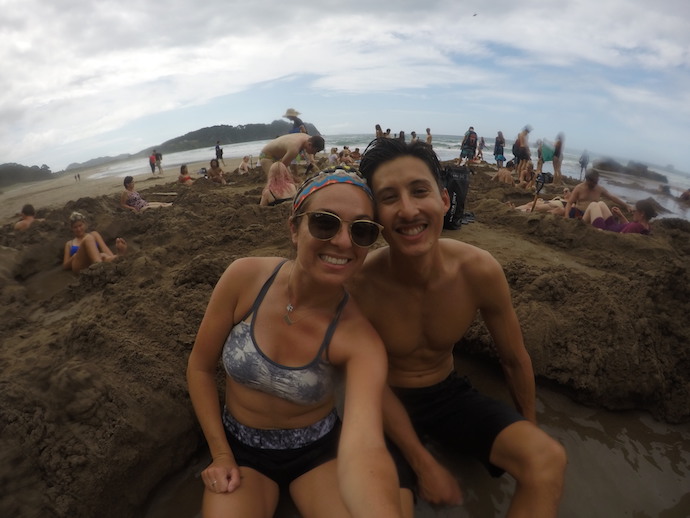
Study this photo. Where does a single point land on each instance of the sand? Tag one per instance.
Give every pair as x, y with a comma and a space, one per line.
95, 410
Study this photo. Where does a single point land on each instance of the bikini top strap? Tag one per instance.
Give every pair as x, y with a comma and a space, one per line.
264, 289
333, 325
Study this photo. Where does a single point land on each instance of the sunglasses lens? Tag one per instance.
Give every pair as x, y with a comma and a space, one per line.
323, 225
364, 233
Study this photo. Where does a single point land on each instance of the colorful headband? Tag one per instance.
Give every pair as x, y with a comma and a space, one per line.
340, 174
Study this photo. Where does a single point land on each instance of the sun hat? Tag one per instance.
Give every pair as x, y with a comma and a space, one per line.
291, 112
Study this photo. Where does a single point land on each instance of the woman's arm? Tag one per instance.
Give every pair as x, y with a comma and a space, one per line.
201, 374
66, 257
367, 476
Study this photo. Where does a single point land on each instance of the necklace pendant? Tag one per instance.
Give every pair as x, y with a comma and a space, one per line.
289, 308
286, 317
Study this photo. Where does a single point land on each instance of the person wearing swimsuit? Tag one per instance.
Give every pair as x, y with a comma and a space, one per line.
279, 186
132, 200
86, 248
284, 330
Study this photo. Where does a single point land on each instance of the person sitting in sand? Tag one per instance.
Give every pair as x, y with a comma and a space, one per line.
554, 206
505, 174
585, 193
87, 248
279, 186
215, 173
184, 176
600, 216
527, 176
28, 215
132, 200
286, 332
244, 165
422, 293
356, 155
286, 148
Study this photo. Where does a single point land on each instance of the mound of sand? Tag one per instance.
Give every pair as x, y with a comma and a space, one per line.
95, 408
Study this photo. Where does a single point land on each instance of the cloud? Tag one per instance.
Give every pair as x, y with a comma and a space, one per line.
72, 73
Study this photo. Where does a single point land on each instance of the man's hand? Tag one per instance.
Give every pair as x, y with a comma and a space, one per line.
438, 486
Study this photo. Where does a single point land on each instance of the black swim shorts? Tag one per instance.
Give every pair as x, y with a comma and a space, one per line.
457, 418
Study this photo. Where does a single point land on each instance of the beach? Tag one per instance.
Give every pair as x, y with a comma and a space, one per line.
97, 421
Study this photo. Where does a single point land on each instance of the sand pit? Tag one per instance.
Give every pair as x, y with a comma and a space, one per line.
95, 408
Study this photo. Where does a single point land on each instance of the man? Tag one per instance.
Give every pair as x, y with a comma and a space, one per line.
521, 150
584, 161
297, 124
468, 146
429, 137
585, 193
28, 215
159, 159
219, 152
413, 137
422, 293
286, 148
558, 159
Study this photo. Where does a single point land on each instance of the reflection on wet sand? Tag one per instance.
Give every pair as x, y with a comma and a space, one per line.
619, 464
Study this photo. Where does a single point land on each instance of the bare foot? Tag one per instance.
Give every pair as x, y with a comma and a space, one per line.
121, 246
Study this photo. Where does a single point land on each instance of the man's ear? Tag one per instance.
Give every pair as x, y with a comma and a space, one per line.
446, 199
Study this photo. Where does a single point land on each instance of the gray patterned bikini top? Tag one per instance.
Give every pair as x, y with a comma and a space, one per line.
245, 362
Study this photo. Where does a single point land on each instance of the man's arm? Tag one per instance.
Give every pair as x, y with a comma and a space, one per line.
615, 199
572, 200
436, 484
499, 316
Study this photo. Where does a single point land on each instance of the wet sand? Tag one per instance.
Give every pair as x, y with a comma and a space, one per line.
95, 411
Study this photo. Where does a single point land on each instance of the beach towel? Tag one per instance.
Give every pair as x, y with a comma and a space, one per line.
457, 181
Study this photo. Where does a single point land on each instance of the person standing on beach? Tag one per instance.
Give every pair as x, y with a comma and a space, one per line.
522, 153
468, 147
584, 162
159, 159
219, 152
422, 293
429, 138
499, 145
152, 162
558, 158
587, 192
286, 148
297, 124
413, 137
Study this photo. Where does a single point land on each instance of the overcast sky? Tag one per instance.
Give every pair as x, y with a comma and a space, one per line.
87, 79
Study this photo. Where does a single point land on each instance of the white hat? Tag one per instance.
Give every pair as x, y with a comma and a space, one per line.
291, 112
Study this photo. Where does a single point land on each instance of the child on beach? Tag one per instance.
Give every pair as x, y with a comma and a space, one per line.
28, 215
86, 248
285, 330
184, 176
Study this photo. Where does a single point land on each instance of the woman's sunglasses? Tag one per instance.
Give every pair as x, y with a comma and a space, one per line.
326, 225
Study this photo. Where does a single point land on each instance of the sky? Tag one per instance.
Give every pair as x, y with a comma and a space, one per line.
81, 80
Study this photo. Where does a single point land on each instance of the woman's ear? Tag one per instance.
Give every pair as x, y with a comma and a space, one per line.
292, 225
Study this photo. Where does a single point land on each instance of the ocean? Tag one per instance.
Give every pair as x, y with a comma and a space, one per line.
447, 147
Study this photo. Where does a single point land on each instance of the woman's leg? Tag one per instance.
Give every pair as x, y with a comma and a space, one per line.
257, 497
596, 209
86, 255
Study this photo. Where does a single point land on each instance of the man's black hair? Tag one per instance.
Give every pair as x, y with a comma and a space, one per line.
383, 150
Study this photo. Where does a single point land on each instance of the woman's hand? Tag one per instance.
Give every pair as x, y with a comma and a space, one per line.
222, 475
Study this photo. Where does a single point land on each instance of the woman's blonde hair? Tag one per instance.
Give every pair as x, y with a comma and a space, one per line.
76, 216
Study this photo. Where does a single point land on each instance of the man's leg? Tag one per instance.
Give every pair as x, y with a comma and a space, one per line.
537, 462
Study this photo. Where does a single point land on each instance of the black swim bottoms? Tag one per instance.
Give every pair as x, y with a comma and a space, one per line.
457, 418
284, 465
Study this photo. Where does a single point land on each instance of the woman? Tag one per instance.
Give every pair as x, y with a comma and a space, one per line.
215, 173
379, 131
613, 220
555, 205
184, 176
499, 144
86, 248
283, 329
132, 200
279, 186
558, 159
